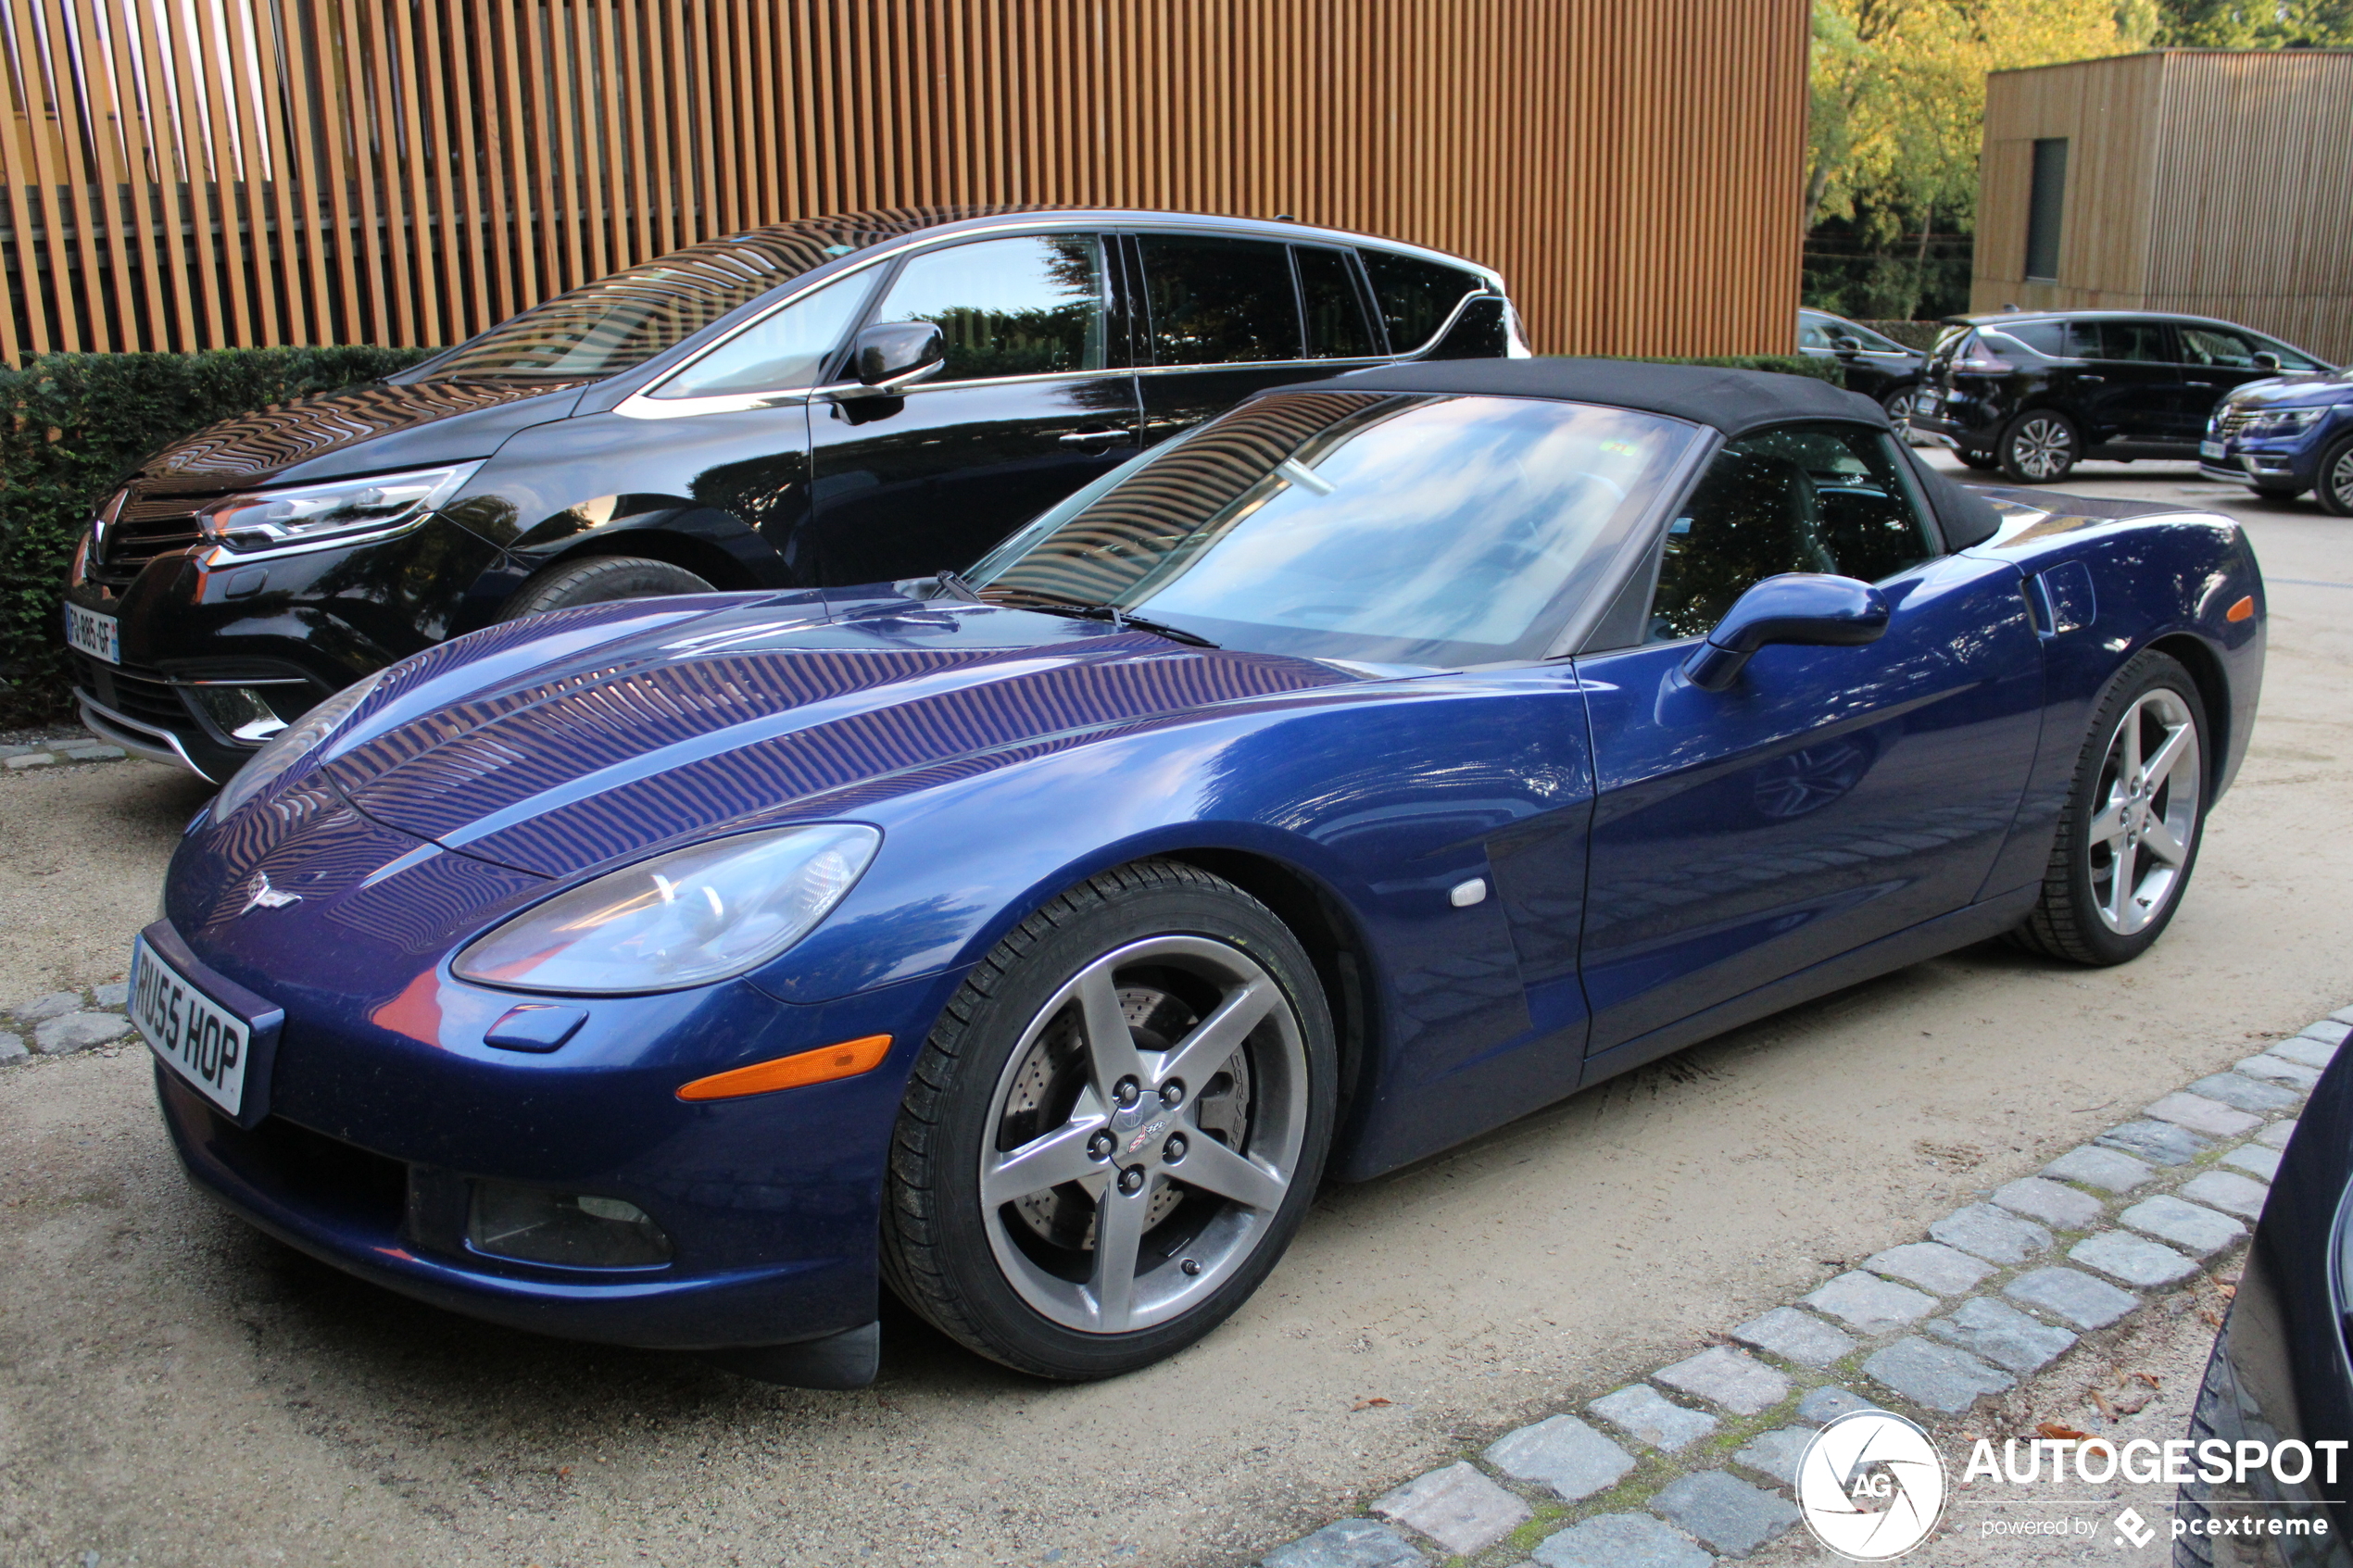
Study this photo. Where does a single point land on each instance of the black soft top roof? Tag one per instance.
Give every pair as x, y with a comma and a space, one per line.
1732, 401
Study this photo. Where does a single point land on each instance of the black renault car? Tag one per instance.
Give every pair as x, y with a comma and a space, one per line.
850, 399
2033, 393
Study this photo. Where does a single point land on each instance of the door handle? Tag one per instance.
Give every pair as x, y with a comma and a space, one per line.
1088, 437
2198, 384
2088, 381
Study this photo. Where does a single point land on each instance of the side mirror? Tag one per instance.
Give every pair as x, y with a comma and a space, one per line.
1845, 342
2268, 362
1818, 611
891, 357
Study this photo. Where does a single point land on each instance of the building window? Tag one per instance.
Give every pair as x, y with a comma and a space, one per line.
2043, 206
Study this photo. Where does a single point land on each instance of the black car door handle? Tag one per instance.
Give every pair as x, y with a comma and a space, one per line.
2088, 380
2198, 384
1089, 437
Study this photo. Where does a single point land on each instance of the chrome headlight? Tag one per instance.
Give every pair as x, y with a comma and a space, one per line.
385, 503
687, 918
291, 745
2282, 421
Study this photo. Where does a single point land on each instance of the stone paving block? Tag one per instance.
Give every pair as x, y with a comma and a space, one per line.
1645, 1414
1733, 1379
79, 1030
2197, 1231
1727, 1515
1930, 1265
1796, 1336
2343, 1015
2072, 1295
96, 751
1351, 1543
1826, 1404
1937, 1375
1996, 1235
2109, 1170
1996, 1332
2280, 1069
2201, 1114
2160, 1141
1776, 1453
1621, 1541
2143, 1264
2232, 1194
2061, 1208
31, 759
2304, 1050
2260, 1162
2277, 1134
11, 1048
1563, 1453
114, 994
56, 1004
1457, 1507
9, 751
2245, 1093
1869, 1304
2329, 1031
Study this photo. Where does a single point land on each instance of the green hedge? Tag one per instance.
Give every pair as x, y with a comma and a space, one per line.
1921, 335
70, 424
1785, 364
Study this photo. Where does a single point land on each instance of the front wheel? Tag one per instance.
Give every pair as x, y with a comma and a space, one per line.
2335, 491
2129, 835
1116, 1126
2038, 447
594, 580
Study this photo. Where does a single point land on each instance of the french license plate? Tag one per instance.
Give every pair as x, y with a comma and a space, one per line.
100, 637
2213, 449
1924, 404
198, 1038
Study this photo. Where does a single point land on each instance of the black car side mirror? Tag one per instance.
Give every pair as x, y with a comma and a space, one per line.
2268, 362
1816, 610
891, 357
1845, 342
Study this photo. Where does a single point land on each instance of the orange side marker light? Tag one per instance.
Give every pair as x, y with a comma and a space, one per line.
2240, 610
820, 1066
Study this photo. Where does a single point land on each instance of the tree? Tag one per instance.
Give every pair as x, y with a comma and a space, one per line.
2255, 24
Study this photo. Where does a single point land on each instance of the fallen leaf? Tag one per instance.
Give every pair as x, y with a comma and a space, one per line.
2064, 1434
2101, 1399
2213, 1318
1369, 1404
563, 1470
2149, 1378
2132, 1402
2227, 1291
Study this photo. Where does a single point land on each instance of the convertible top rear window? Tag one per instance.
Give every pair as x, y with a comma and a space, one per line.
1428, 530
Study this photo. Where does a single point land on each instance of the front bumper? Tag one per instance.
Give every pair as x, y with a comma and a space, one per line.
2263, 464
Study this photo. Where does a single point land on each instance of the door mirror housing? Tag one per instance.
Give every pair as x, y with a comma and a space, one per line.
2265, 360
1814, 609
1846, 343
891, 357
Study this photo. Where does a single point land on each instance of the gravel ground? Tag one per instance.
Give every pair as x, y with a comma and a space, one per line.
175, 1389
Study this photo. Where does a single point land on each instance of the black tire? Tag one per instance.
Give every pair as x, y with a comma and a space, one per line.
2334, 489
2040, 447
940, 1243
595, 580
1982, 461
2076, 920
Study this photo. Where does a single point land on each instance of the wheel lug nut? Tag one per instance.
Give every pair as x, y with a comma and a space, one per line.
1190, 1265
1099, 1146
1172, 1094
1131, 1180
1173, 1149
1127, 1092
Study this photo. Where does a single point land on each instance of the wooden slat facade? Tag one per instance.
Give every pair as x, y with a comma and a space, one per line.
2216, 183
410, 171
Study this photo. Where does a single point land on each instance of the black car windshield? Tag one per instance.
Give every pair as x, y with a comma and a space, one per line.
1435, 531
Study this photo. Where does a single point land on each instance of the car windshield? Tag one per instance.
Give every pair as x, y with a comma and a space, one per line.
1399, 529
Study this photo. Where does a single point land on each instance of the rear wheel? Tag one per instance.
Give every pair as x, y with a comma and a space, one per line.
2335, 491
2038, 447
1115, 1127
1897, 401
2129, 835
595, 580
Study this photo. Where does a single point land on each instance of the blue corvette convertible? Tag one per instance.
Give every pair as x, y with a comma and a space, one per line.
1376, 763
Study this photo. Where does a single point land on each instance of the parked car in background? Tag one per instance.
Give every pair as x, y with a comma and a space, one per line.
2034, 393
838, 400
2285, 436
1876, 366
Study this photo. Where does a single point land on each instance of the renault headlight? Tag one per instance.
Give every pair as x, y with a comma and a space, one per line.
291, 745
687, 918
385, 503
2282, 421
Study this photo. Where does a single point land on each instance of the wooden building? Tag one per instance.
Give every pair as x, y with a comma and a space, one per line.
2217, 182
408, 171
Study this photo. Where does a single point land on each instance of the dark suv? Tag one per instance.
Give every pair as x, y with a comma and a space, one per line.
2033, 394
852, 399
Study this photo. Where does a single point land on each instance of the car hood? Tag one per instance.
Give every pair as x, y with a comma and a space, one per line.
372, 429
762, 710
2315, 386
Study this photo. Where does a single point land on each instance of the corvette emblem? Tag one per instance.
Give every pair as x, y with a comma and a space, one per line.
268, 897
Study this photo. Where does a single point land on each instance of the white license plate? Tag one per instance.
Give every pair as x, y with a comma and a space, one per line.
1925, 403
198, 1038
100, 637
2213, 449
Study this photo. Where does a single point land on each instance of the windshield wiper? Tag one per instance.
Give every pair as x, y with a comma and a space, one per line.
1120, 619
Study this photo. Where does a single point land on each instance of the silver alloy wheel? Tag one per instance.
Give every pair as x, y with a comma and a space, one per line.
2146, 822
2043, 448
1144, 1132
2339, 479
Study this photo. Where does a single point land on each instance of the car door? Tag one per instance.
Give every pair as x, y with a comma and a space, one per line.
1830, 797
1036, 398
2215, 360
2128, 385
1227, 316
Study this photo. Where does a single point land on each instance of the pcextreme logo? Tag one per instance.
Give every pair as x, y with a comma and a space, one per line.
1870, 1485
